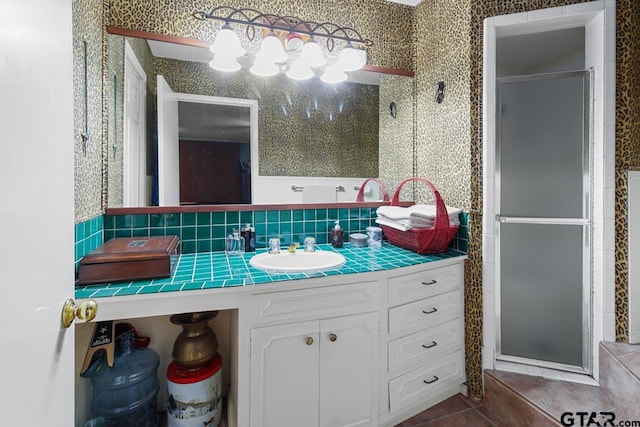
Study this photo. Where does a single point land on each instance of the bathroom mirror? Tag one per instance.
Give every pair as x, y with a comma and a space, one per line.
306, 129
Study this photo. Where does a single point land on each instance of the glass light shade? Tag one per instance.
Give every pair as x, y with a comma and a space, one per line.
312, 54
264, 67
271, 48
351, 59
333, 74
224, 63
299, 70
227, 43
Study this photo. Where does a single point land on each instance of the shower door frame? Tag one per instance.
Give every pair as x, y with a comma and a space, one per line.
585, 222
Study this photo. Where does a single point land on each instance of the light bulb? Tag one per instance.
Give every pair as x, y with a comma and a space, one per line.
227, 43
224, 63
264, 67
299, 70
312, 54
333, 74
351, 59
271, 48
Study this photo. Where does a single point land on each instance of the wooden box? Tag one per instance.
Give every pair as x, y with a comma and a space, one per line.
130, 258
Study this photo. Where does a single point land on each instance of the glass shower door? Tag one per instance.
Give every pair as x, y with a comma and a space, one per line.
542, 229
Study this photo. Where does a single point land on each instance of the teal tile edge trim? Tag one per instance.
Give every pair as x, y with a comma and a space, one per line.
206, 231
88, 236
460, 241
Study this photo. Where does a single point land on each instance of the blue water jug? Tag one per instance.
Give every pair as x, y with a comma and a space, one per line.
126, 394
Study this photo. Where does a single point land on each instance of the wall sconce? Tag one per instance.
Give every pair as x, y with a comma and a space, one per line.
300, 57
440, 93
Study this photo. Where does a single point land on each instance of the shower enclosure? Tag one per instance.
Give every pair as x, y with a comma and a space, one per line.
542, 226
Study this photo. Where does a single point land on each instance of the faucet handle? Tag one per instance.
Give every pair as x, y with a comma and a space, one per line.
309, 244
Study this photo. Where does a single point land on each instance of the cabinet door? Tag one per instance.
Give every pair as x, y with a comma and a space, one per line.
348, 349
284, 375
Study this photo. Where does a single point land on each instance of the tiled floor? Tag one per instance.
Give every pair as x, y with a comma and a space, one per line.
457, 411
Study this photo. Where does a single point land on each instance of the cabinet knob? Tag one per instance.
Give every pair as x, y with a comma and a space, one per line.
333, 337
308, 340
86, 311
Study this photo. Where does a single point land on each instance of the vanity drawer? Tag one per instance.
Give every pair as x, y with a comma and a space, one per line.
314, 303
426, 381
411, 287
426, 345
425, 313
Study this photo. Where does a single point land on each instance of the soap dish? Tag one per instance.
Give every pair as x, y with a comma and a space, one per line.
358, 240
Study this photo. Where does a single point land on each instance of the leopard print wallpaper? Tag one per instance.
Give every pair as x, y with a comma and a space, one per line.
627, 145
89, 172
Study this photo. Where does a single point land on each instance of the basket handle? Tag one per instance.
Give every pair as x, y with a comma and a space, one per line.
383, 190
442, 216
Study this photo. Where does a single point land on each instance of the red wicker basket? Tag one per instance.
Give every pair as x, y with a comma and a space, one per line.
423, 240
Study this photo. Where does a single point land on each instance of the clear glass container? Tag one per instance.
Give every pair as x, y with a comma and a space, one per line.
125, 395
235, 243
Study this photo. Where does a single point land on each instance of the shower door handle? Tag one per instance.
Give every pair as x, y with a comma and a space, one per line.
541, 220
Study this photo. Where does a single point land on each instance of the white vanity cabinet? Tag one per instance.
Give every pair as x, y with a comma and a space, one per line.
422, 340
319, 372
368, 349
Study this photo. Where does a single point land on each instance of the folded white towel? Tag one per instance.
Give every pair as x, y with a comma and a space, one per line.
393, 212
393, 224
429, 211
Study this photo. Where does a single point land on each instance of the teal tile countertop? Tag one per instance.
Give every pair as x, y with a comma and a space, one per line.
208, 270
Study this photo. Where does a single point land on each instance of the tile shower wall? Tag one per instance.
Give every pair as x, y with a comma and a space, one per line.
206, 231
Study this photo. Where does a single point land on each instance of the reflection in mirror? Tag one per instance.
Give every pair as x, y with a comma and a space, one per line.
215, 153
306, 129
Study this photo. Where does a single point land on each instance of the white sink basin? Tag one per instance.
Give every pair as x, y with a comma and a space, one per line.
297, 262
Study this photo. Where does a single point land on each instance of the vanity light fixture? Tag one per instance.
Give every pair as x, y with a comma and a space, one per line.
272, 57
300, 70
264, 67
333, 74
225, 63
227, 43
312, 54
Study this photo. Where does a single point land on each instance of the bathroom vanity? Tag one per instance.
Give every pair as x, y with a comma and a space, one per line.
371, 343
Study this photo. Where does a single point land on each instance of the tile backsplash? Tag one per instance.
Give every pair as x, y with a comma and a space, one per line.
88, 236
206, 231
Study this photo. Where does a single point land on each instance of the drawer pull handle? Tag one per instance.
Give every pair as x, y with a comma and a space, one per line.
433, 282
433, 344
308, 340
433, 310
432, 381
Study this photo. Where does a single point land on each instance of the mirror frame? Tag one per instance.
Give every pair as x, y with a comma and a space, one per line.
218, 208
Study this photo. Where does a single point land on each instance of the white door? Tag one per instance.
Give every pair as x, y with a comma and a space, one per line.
36, 211
135, 146
348, 346
168, 148
284, 375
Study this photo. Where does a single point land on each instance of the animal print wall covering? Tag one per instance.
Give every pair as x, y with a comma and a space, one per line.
627, 145
88, 18
388, 25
